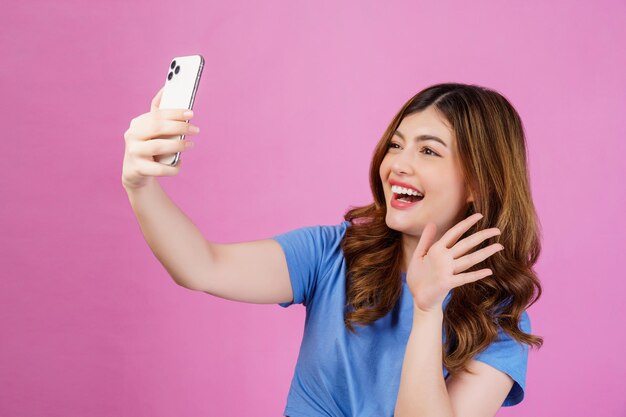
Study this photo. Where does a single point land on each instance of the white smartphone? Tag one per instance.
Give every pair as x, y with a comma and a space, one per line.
181, 84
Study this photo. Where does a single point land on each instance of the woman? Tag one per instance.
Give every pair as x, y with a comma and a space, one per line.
410, 310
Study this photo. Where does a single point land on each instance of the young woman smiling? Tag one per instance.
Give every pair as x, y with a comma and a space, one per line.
416, 303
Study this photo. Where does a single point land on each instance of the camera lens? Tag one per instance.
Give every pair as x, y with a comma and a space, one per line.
169, 76
173, 64
177, 69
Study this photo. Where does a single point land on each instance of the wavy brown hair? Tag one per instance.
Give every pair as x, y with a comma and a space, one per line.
492, 150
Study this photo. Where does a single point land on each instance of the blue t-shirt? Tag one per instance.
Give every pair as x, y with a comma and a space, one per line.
344, 374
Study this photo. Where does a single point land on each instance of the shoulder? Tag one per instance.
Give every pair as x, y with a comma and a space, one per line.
315, 243
317, 232
311, 252
511, 358
524, 324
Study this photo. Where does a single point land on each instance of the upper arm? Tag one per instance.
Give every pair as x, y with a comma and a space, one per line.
250, 272
282, 270
480, 394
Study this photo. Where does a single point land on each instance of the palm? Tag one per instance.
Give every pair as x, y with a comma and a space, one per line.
427, 275
435, 268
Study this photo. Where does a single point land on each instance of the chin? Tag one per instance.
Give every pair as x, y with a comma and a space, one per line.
405, 224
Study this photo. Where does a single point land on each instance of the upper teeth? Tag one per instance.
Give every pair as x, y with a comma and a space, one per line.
401, 190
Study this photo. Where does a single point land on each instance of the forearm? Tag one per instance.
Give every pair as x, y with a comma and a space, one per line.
423, 389
173, 238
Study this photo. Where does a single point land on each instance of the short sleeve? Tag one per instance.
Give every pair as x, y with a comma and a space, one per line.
511, 357
310, 252
303, 251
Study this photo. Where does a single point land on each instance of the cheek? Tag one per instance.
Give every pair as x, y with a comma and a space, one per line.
443, 185
384, 169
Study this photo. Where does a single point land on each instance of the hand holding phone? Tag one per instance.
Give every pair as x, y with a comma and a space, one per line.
154, 139
181, 85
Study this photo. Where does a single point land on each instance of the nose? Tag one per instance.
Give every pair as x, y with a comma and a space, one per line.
402, 163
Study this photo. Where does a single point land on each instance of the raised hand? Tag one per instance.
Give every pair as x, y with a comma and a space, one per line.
434, 269
144, 140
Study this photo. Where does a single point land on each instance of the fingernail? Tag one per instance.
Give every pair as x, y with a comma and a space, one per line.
501, 247
188, 113
194, 129
188, 144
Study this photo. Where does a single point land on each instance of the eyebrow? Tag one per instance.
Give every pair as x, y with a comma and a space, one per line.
422, 138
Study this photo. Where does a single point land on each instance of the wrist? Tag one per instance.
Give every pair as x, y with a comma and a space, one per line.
138, 188
435, 313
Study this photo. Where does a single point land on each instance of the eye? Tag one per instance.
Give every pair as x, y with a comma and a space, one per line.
392, 145
430, 150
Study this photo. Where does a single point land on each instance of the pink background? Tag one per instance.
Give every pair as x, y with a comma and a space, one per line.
294, 97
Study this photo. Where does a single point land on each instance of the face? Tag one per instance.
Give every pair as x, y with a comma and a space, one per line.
430, 167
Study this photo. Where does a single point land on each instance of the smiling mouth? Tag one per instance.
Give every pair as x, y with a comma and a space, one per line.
406, 198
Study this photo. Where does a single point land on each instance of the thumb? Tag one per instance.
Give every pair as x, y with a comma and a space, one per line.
426, 240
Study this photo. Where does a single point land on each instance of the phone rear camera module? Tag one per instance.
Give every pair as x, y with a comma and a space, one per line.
170, 75
177, 70
173, 64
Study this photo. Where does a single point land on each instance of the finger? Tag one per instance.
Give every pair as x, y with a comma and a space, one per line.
178, 163
162, 147
174, 114
156, 101
156, 169
451, 236
465, 245
426, 240
474, 258
467, 277
157, 128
